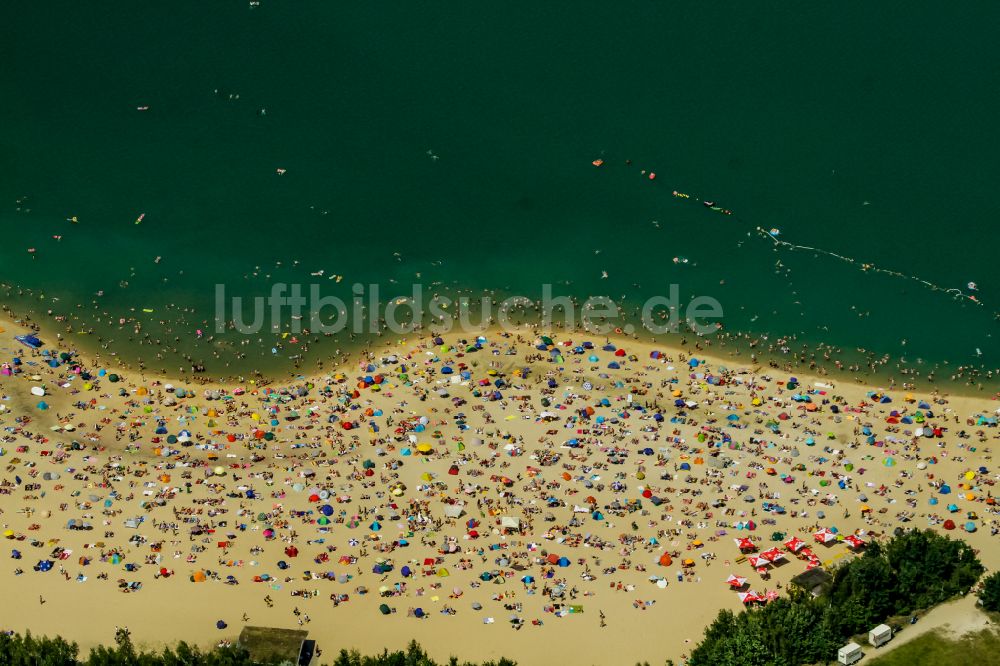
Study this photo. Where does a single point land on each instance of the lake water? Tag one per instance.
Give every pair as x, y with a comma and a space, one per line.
456, 141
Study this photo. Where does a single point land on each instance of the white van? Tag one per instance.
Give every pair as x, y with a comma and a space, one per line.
880, 635
849, 654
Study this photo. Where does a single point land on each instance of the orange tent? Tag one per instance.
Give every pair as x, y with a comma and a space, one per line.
666, 560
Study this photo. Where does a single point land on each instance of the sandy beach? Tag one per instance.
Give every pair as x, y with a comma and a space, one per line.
576, 500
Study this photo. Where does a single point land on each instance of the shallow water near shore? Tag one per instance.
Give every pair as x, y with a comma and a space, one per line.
453, 147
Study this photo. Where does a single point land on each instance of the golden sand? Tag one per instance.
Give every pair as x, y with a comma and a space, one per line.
511, 459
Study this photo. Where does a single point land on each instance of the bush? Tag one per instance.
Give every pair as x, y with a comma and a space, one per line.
989, 595
414, 656
16, 650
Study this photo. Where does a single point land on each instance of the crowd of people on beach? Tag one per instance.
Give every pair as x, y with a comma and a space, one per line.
505, 475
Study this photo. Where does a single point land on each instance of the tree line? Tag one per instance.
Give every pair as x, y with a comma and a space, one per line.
29, 650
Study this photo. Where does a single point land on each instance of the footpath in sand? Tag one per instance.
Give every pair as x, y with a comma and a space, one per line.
955, 619
554, 501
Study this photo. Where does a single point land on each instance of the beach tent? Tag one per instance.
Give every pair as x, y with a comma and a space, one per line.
29, 341
825, 535
772, 555
854, 541
510, 523
453, 510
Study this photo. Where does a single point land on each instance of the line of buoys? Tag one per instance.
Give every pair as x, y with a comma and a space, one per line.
866, 266
772, 235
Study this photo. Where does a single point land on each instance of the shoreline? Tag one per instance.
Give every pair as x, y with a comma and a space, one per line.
728, 347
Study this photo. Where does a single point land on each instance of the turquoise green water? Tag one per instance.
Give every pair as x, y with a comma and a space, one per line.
792, 118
